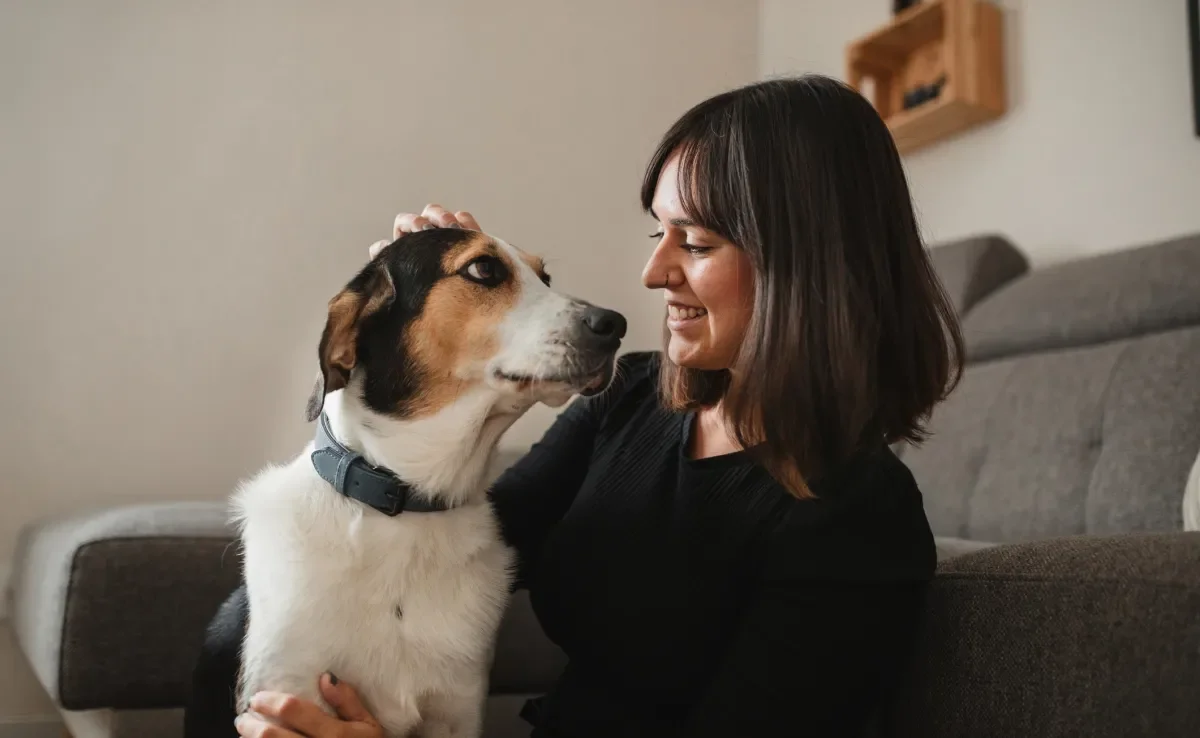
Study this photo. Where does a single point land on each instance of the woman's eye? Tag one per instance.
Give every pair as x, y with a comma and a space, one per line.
695, 250
486, 270
657, 235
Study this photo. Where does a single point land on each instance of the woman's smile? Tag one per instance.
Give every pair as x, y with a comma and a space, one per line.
682, 317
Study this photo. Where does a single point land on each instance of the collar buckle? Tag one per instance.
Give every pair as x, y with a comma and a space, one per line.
397, 498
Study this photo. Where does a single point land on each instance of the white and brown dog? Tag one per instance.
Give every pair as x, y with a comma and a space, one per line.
374, 553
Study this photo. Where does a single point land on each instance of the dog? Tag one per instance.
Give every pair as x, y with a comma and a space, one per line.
374, 553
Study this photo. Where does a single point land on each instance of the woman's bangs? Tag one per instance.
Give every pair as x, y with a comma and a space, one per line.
705, 184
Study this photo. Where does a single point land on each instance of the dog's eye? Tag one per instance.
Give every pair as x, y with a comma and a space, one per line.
486, 270
545, 278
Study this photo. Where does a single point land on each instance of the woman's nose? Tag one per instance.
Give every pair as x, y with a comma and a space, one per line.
657, 273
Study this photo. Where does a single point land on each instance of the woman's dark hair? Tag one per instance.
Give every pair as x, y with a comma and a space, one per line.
853, 339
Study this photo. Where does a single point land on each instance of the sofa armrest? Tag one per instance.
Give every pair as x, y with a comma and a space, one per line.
1087, 635
110, 607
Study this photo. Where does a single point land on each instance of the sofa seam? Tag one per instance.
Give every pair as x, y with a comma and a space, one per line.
974, 578
977, 473
1044, 350
1104, 397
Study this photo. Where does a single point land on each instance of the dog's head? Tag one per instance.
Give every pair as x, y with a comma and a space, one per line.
439, 313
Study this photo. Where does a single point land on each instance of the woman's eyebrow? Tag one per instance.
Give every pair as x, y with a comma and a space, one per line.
675, 222
682, 222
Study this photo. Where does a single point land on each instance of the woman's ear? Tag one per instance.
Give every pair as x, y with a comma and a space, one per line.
337, 352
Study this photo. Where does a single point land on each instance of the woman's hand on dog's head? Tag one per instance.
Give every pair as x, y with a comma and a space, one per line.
297, 718
433, 216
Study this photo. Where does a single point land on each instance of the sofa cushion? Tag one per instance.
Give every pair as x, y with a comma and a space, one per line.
1148, 289
1086, 440
1079, 410
1090, 636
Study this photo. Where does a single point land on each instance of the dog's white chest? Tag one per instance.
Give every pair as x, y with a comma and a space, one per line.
401, 607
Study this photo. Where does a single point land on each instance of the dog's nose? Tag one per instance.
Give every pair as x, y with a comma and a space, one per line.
604, 324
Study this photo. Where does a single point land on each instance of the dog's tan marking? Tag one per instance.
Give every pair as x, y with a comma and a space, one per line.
343, 330
339, 342
456, 332
346, 311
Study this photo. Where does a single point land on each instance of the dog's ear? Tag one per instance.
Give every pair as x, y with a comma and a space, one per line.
337, 352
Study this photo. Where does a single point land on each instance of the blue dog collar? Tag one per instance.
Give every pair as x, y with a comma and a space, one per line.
353, 477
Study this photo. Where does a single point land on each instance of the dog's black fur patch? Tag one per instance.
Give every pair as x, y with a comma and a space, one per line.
411, 265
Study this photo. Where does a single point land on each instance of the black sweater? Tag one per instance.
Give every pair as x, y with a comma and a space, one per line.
697, 597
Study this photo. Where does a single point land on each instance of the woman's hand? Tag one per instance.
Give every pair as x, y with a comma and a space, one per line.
433, 216
299, 718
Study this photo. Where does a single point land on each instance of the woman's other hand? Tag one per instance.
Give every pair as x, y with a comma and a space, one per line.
433, 216
299, 718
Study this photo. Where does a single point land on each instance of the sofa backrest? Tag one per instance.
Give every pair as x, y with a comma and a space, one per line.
1079, 410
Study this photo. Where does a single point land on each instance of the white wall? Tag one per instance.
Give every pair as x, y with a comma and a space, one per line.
183, 186
1097, 151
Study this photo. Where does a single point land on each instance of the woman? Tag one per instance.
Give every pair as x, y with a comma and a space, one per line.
723, 542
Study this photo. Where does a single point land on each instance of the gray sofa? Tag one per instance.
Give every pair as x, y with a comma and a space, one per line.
1067, 600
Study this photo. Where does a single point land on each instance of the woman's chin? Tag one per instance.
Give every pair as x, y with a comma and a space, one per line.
689, 355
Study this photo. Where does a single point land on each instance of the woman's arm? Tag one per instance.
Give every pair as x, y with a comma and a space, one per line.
535, 492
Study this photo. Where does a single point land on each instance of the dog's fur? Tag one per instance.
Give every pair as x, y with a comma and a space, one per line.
428, 355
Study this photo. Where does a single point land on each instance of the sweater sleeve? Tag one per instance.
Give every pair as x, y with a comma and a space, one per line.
535, 492
826, 634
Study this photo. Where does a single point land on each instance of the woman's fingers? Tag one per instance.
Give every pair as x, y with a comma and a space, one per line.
344, 699
249, 726
466, 220
433, 216
410, 223
377, 247
438, 215
279, 715
295, 714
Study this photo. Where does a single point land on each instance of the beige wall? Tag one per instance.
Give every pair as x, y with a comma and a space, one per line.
184, 185
1097, 151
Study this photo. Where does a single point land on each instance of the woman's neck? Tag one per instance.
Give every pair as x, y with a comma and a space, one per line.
712, 435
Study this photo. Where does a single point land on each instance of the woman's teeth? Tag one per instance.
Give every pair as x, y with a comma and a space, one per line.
676, 312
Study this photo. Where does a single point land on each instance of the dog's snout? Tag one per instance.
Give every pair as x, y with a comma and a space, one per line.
604, 324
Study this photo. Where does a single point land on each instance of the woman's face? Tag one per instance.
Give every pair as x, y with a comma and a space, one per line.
707, 281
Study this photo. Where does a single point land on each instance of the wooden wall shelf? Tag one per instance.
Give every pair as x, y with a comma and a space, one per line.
937, 69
